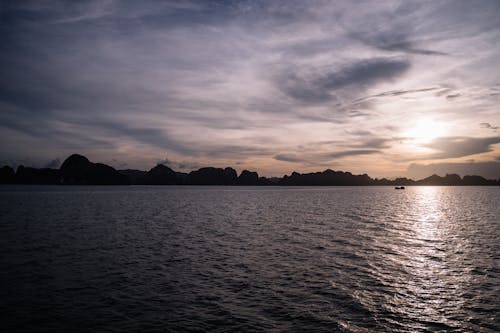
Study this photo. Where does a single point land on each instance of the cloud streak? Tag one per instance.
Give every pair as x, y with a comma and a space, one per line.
321, 85
453, 147
489, 126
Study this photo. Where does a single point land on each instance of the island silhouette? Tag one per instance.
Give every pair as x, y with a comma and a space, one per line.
78, 170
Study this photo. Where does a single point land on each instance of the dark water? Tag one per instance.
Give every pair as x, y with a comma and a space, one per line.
226, 259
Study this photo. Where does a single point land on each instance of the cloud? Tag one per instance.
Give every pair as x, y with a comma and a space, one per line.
54, 164
241, 81
375, 142
395, 41
489, 170
357, 152
359, 132
180, 165
395, 93
320, 84
454, 147
390, 31
320, 158
288, 158
489, 126
408, 47
365, 72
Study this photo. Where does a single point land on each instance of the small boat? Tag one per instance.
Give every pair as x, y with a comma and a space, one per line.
399, 188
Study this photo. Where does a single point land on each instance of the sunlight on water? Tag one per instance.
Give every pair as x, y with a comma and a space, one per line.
425, 262
430, 279
427, 212
244, 259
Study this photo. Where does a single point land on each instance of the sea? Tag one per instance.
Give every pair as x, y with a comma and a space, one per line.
249, 259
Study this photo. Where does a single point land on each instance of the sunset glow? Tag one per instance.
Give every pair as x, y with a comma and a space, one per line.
387, 88
424, 130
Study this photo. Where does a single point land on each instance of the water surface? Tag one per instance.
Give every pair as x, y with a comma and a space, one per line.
223, 259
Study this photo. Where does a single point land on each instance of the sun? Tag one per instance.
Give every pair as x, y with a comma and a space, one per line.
424, 130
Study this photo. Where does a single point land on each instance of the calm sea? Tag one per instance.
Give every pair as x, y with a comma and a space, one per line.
245, 259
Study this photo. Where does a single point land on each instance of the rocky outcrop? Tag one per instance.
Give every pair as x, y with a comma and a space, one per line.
160, 175
7, 175
326, 178
78, 170
27, 175
448, 180
213, 176
478, 180
134, 176
248, 178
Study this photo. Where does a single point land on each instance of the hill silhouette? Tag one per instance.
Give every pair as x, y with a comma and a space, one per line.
160, 175
326, 178
78, 170
7, 175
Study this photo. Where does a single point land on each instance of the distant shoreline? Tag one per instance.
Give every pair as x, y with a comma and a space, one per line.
5, 185
78, 170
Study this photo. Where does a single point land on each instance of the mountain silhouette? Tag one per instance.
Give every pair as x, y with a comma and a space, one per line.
160, 175
326, 178
478, 180
436, 180
78, 170
134, 176
248, 178
213, 176
27, 175
7, 175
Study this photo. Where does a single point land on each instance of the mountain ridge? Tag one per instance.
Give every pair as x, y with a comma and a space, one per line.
78, 170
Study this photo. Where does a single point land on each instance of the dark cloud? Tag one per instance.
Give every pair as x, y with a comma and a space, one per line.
378, 143
90, 132
489, 126
393, 37
453, 96
54, 164
180, 165
359, 139
395, 93
164, 161
152, 136
45, 131
365, 72
357, 152
320, 85
288, 158
322, 158
453, 147
235, 151
117, 164
405, 46
489, 170
164, 14
359, 132
354, 114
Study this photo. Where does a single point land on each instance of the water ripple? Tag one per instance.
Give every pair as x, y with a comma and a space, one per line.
225, 259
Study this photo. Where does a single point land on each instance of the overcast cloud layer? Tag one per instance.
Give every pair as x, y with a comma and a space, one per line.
273, 86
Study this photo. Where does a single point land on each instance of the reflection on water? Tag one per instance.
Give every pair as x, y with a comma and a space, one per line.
430, 284
432, 278
251, 259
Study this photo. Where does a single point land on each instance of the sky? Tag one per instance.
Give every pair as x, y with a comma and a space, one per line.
388, 88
